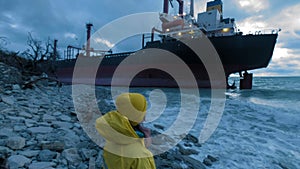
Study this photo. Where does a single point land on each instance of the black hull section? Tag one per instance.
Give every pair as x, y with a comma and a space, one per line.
238, 53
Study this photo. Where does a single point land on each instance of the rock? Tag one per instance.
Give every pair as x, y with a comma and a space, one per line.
77, 125
29, 122
212, 159
60, 124
72, 156
41, 130
8, 99
48, 118
16, 119
64, 118
4, 151
86, 153
7, 132
10, 75
16, 87
82, 166
30, 153
191, 138
190, 161
46, 155
99, 160
159, 126
57, 113
53, 145
19, 128
92, 163
17, 161
15, 143
3, 141
40, 165
186, 151
24, 114
71, 139
207, 162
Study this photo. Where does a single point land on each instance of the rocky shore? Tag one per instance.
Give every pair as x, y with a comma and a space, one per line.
39, 129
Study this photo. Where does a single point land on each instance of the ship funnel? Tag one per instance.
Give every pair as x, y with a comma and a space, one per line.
216, 4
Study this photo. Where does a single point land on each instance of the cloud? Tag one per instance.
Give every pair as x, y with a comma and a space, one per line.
285, 62
70, 35
252, 5
105, 42
252, 24
286, 19
286, 56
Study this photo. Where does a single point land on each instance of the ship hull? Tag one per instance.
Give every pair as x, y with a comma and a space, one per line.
237, 53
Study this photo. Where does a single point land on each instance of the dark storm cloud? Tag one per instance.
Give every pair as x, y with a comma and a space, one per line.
56, 19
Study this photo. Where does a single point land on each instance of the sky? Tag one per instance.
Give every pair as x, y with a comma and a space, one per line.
65, 20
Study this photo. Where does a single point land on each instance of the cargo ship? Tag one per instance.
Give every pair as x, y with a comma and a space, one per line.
238, 52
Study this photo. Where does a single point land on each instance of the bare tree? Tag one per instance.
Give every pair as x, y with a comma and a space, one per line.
38, 51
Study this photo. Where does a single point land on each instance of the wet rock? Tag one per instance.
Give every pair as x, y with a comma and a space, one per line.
159, 126
17, 161
191, 138
212, 159
191, 162
186, 151
207, 162
15, 143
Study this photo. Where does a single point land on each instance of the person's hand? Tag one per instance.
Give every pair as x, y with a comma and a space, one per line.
147, 132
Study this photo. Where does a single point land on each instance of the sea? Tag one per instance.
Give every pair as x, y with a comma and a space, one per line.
257, 128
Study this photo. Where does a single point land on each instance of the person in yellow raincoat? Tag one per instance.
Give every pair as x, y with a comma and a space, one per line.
125, 138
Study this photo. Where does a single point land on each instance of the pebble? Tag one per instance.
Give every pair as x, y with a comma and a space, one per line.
46, 155
17, 161
42, 130
15, 143
72, 156
40, 165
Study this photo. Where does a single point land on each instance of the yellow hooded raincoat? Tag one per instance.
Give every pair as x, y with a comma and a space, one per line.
124, 149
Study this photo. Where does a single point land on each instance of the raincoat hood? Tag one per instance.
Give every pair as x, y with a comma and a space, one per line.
133, 106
